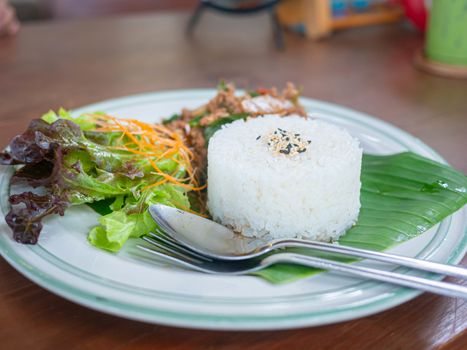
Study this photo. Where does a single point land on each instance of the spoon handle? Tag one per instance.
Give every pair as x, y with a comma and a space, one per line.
406, 280
444, 269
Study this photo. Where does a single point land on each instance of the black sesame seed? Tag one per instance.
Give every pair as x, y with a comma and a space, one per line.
287, 139
297, 134
309, 141
258, 137
301, 150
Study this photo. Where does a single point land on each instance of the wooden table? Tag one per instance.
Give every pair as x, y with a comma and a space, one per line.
69, 64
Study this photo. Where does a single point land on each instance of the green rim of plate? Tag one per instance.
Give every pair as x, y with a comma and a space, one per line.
210, 321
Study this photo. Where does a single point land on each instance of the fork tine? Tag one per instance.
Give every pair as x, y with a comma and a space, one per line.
174, 244
168, 257
164, 234
159, 246
159, 233
171, 250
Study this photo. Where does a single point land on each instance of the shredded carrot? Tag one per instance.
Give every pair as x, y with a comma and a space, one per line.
153, 142
158, 183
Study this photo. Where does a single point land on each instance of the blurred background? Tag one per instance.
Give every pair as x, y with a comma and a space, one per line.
309, 19
347, 12
61, 9
313, 19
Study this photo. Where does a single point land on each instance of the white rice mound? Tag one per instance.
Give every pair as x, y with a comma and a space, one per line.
315, 194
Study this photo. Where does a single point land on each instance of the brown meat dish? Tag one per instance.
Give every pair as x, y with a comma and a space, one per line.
192, 124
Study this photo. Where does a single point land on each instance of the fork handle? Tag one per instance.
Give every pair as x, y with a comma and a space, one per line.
433, 286
429, 266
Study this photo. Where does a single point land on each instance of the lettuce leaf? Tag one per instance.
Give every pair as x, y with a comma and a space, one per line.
76, 165
130, 217
82, 121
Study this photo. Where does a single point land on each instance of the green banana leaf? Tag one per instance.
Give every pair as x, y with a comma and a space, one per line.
402, 196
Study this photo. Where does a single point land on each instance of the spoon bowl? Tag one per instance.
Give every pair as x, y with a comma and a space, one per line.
206, 236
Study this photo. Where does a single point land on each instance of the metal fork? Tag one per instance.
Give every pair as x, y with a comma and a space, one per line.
166, 248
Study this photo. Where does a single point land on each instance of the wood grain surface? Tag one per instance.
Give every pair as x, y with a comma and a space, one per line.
72, 63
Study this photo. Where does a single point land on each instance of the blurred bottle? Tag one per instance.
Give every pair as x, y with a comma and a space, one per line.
447, 32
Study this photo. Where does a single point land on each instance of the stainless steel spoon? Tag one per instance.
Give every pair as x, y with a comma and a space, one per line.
216, 241
173, 252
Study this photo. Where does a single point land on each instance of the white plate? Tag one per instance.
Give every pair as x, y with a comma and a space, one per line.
64, 263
